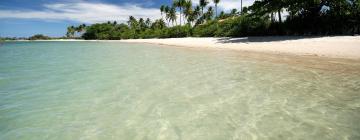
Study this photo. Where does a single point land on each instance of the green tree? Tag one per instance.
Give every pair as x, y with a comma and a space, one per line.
70, 32
134, 26
39, 37
179, 4
162, 10
81, 28
197, 12
148, 22
222, 15
209, 13
142, 24
132, 22
167, 14
203, 4
233, 12
172, 15
158, 24
188, 11
306, 17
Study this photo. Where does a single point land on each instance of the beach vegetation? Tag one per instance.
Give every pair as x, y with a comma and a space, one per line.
263, 18
39, 37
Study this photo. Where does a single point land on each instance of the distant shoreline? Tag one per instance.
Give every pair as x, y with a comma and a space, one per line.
333, 47
47, 40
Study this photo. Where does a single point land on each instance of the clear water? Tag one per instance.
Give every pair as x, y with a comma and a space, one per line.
94, 90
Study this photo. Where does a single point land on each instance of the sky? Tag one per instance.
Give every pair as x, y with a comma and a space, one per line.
24, 18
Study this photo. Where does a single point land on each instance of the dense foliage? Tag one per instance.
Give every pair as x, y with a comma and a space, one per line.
34, 37
8, 38
264, 17
39, 37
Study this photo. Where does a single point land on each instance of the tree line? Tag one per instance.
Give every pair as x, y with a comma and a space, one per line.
262, 18
34, 37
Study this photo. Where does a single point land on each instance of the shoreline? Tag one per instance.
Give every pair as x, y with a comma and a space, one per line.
347, 47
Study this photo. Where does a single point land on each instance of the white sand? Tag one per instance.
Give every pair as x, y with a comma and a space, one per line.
335, 47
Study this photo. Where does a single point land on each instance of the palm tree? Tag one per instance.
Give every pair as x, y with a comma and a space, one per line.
216, 3
172, 15
197, 10
272, 7
278, 5
162, 10
222, 15
133, 25
233, 12
158, 24
142, 24
203, 4
209, 14
191, 18
148, 22
167, 11
132, 22
176, 4
70, 32
179, 4
196, 13
80, 28
188, 10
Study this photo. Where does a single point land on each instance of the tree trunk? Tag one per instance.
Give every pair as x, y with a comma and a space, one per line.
216, 10
241, 9
180, 16
279, 14
354, 30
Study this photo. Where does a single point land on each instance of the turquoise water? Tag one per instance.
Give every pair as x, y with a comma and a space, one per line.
94, 90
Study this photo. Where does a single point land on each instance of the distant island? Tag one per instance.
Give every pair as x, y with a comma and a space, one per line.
34, 37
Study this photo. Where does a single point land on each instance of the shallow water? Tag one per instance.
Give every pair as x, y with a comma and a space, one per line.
94, 90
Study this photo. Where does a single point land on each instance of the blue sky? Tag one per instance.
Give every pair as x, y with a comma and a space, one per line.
23, 18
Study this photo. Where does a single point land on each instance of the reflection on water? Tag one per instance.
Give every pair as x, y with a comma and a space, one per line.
92, 90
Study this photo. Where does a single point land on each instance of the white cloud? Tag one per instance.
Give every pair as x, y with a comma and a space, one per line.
231, 4
227, 5
84, 12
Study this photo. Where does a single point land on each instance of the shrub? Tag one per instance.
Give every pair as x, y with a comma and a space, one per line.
205, 30
39, 37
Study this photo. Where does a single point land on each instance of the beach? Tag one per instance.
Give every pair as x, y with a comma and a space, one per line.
332, 47
347, 47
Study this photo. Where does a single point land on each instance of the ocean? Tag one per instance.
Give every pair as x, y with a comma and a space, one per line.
109, 90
